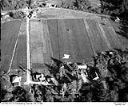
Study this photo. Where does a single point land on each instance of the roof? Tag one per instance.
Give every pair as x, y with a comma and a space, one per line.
56, 32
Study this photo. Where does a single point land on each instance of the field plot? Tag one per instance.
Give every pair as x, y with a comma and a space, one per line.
74, 40
9, 34
54, 37
39, 44
98, 42
112, 37
20, 57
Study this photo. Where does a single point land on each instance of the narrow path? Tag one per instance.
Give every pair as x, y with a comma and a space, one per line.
28, 79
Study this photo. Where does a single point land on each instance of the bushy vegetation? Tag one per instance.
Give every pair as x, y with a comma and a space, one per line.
83, 5
115, 8
17, 15
13, 4
112, 85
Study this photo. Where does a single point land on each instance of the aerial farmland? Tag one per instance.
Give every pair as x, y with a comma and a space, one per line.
32, 45
81, 37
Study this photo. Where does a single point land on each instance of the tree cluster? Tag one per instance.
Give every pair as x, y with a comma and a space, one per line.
83, 5
115, 8
13, 4
17, 15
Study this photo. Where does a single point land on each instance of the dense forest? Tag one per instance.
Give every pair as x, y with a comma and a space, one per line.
115, 8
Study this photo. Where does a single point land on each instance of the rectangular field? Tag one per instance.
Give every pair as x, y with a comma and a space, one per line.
112, 37
9, 34
20, 56
74, 40
97, 39
40, 50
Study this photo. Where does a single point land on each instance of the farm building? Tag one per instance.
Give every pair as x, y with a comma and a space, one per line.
56, 32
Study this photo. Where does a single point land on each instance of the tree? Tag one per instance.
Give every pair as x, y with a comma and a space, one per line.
19, 95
